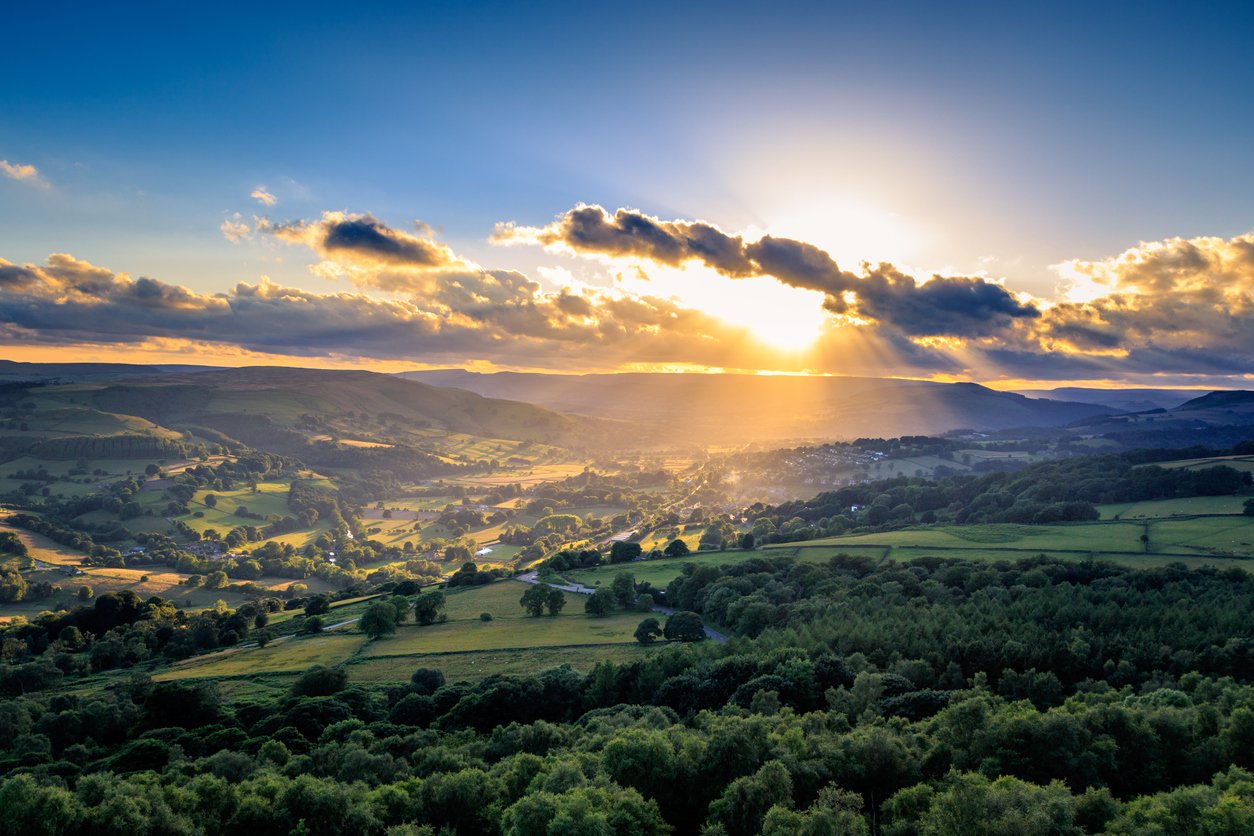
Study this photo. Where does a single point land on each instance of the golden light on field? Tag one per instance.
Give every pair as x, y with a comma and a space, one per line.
785, 318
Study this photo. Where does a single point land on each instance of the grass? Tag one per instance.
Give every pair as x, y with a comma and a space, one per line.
526, 476
1100, 536
574, 628
270, 498
44, 550
1174, 507
473, 666
1218, 541
661, 572
291, 656
464, 646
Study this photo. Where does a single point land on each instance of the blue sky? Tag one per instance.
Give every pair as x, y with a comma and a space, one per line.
990, 139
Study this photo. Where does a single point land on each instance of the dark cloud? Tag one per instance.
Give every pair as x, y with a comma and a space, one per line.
590, 229
960, 307
363, 239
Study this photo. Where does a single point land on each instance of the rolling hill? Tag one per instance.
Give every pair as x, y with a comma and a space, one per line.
1123, 400
1217, 419
739, 408
319, 415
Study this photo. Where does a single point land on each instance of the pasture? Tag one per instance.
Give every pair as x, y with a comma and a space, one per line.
1218, 541
464, 647
661, 572
1185, 506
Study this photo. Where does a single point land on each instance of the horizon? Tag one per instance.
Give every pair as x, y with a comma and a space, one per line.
1002, 204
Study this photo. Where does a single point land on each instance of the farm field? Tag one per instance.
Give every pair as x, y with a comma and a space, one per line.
525, 476
661, 572
1219, 541
463, 646
475, 665
44, 550
1173, 507
1101, 536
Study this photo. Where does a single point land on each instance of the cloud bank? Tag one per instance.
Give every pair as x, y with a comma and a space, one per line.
940, 306
1183, 308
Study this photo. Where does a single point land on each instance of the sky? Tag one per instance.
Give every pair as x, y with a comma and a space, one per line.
1022, 194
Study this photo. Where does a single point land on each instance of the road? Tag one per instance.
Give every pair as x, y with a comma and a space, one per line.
579, 589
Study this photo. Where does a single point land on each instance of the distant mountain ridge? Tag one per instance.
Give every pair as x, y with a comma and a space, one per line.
13, 370
1232, 399
1123, 400
733, 408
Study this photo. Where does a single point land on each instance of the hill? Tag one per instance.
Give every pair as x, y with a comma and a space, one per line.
1123, 400
11, 370
736, 408
309, 398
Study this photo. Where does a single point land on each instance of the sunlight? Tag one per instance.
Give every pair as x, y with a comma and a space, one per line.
785, 318
851, 231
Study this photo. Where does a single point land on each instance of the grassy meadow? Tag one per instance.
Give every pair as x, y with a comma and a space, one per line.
464, 646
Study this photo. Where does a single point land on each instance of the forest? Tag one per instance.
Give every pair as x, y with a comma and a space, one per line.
930, 697
1064, 490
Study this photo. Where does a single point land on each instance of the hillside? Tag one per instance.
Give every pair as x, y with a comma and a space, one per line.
1123, 400
740, 408
291, 397
67, 372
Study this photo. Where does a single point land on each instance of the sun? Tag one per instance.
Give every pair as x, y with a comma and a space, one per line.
784, 318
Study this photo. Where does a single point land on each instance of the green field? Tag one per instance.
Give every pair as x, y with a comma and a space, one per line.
1185, 506
464, 646
1219, 541
661, 572
476, 665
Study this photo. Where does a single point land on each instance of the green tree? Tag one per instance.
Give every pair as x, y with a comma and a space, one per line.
320, 681
317, 605
676, 548
684, 627
648, 631
624, 551
535, 599
834, 811
624, 589
745, 802
12, 585
600, 603
555, 601
429, 607
379, 620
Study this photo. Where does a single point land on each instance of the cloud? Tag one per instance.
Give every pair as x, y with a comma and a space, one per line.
1178, 305
67, 301
1182, 308
361, 240
262, 196
940, 306
23, 173
234, 229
